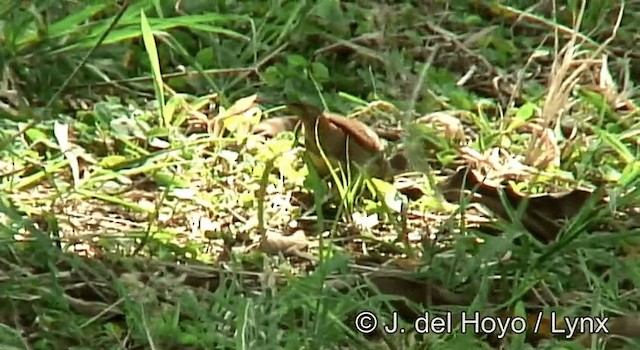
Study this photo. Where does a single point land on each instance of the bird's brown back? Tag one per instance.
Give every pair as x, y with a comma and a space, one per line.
355, 129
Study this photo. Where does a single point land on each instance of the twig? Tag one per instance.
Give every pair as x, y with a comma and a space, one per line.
225, 71
260, 194
258, 65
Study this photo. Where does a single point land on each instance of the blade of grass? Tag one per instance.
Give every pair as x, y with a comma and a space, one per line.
152, 53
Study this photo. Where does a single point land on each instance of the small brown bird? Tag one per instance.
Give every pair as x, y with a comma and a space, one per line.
342, 139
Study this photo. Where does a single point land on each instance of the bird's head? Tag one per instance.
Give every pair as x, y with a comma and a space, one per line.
304, 111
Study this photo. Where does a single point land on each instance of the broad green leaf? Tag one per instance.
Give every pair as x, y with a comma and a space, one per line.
167, 179
112, 161
526, 111
297, 60
320, 72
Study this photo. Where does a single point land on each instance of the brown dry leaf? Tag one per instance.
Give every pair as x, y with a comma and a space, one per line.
543, 149
275, 242
618, 99
448, 124
495, 163
476, 160
542, 215
271, 127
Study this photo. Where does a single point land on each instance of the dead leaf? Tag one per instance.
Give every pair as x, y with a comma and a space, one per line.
543, 149
449, 125
618, 99
275, 243
364, 221
495, 163
543, 213
240, 106
271, 127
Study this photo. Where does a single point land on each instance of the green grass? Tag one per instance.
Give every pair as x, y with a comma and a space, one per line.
139, 211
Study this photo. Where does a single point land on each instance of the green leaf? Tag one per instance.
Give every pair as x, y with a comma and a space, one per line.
34, 135
112, 161
320, 72
167, 179
630, 174
329, 10
297, 61
392, 198
526, 111
595, 99
272, 76
206, 57
158, 132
